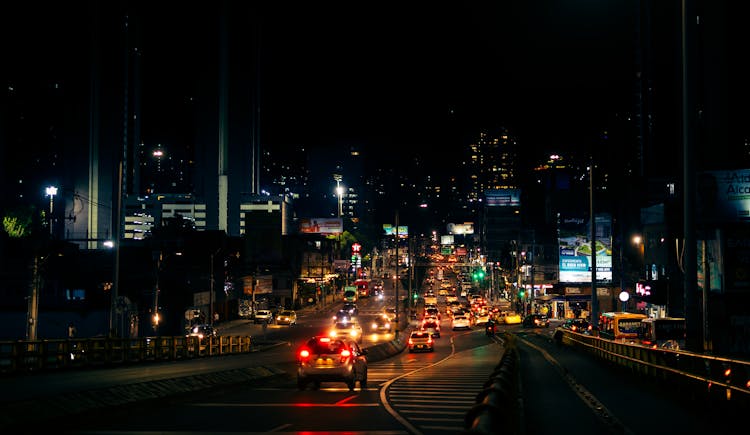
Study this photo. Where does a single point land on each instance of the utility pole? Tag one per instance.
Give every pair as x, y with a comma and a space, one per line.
32, 314
397, 276
594, 296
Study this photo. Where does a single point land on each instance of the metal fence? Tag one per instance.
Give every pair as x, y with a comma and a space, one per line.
60, 354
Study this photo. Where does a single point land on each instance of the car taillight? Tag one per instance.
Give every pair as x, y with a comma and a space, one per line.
345, 353
304, 354
411, 341
429, 340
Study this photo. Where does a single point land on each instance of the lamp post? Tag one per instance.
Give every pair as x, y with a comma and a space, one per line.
339, 192
51, 191
211, 289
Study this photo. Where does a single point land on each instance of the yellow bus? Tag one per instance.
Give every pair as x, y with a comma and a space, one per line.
620, 325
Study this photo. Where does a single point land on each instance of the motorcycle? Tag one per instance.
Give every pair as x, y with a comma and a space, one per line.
489, 329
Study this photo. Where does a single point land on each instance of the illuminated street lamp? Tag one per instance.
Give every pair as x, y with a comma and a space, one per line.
339, 191
51, 191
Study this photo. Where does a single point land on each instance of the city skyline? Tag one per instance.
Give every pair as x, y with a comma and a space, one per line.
404, 85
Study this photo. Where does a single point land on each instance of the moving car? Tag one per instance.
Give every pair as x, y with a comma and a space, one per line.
536, 321
432, 326
263, 316
482, 317
350, 330
331, 359
390, 312
351, 307
421, 341
512, 318
343, 316
203, 330
380, 324
576, 325
286, 317
460, 321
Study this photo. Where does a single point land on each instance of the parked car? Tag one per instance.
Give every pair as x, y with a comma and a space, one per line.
286, 317
536, 321
263, 316
331, 359
421, 341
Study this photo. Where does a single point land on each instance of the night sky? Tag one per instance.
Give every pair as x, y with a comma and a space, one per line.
391, 76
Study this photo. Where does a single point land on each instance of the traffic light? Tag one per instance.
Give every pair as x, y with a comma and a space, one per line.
480, 273
414, 296
521, 294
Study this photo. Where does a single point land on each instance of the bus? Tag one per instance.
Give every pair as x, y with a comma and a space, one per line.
363, 288
350, 293
663, 332
621, 325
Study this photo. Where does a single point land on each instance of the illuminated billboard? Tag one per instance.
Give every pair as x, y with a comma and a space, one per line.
321, 225
464, 228
575, 249
390, 230
502, 198
446, 240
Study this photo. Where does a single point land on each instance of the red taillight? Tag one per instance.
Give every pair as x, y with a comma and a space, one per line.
345, 353
429, 340
304, 354
411, 341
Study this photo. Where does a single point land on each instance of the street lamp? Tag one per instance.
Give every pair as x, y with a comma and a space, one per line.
339, 191
51, 191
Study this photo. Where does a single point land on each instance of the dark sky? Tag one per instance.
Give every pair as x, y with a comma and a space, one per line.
392, 75
410, 75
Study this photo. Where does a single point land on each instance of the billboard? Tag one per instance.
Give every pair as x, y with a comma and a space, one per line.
390, 230
464, 228
446, 239
575, 248
502, 198
321, 225
724, 196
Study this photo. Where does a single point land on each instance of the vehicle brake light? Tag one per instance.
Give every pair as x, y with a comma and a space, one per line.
411, 341
324, 339
304, 354
429, 339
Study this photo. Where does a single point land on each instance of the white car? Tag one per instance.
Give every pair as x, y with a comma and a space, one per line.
263, 316
351, 330
460, 321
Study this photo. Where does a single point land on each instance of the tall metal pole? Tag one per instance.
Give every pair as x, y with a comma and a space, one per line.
594, 296
211, 290
692, 341
397, 276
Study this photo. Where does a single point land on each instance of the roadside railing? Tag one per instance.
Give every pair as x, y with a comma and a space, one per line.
59, 354
708, 377
723, 382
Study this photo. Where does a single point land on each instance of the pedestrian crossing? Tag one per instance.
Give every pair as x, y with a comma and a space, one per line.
434, 398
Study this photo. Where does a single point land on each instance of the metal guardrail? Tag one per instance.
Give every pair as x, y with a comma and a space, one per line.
713, 379
60, 354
